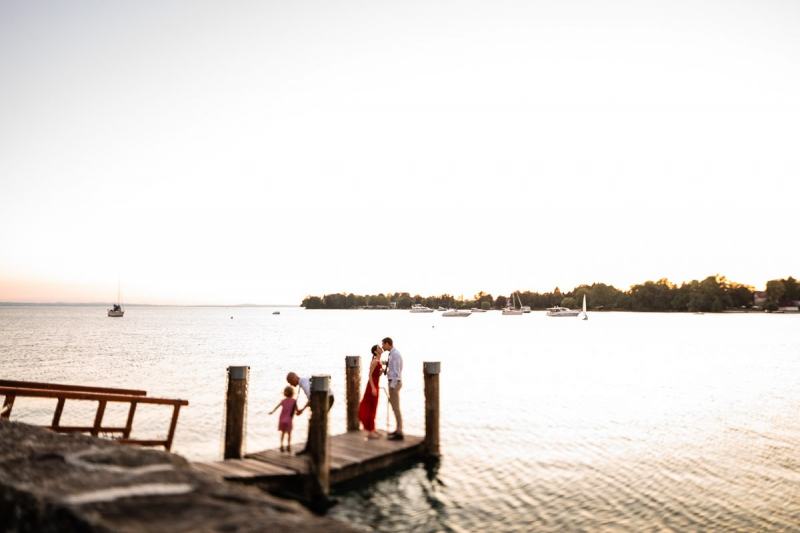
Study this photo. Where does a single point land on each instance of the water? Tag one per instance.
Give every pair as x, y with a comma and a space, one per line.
626, 421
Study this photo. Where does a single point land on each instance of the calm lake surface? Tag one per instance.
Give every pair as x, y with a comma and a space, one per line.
625, 422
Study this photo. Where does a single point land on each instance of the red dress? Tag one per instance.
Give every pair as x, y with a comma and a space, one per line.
369, 403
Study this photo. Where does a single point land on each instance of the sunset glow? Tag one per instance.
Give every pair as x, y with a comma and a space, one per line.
260, 154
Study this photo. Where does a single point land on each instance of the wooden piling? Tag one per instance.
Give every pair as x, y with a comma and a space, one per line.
352, 364
235, 407
431, 372
318, 445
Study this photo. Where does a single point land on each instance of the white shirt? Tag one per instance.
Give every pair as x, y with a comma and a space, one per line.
305, 384
395, 371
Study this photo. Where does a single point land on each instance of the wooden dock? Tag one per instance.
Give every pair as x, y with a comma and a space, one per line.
331, 460
352, 456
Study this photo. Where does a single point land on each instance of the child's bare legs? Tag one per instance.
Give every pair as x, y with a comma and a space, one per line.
289, 441
283, 433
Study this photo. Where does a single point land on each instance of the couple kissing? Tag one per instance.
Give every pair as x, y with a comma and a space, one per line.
394, 375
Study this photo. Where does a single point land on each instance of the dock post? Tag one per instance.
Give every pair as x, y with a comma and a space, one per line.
235, 406
318, 443
352, 364
431, 372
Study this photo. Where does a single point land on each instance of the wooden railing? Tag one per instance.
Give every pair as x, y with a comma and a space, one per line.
102, 395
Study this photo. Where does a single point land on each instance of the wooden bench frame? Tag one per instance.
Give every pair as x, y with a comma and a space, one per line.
102, 395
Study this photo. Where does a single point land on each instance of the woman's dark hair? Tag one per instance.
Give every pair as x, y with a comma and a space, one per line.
374, 349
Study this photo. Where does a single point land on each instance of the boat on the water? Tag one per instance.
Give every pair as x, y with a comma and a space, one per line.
457, 312
477, 310
419, 308
584, 314
276, 312
562, 311
117, 311
511, 309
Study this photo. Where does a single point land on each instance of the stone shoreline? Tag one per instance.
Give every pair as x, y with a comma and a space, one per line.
51, 482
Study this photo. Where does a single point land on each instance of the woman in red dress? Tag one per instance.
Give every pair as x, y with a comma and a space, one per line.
369, 403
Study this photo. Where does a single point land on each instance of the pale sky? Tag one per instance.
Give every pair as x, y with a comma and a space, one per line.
258, 152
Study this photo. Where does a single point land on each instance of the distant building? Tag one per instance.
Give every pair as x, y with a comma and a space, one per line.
759, 298
791, 306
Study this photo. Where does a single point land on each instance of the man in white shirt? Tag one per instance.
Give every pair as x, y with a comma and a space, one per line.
305, 385
394, 373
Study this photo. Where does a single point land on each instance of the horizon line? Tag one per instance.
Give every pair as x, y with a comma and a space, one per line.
105, 304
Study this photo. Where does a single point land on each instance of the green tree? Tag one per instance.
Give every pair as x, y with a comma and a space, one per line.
776, 289
792, 289
569, 301
312, 302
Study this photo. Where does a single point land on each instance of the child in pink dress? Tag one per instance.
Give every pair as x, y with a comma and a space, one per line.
288, 409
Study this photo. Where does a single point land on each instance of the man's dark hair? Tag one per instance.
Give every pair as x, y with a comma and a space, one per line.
388, 340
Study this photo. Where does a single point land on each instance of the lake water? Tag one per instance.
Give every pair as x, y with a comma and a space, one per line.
626, 421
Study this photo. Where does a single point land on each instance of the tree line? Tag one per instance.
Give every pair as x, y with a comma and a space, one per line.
712, 294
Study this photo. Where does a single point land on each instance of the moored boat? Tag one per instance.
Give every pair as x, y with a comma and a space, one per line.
117, 311
562, 311
511, 309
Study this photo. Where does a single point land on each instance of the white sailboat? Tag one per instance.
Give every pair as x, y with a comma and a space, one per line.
117, 311
584, 315
511, 308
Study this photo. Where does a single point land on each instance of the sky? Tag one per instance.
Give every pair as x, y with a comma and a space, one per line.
258, 152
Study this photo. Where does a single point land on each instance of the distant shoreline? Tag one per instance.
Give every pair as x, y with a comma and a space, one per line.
106, 304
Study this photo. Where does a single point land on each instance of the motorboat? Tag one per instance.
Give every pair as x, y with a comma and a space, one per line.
457, 312
419, 308
440, 308
562, 311
526, 308
276, 312
478, 310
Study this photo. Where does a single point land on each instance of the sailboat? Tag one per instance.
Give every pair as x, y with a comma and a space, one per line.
584, 315
511, 309
117, 311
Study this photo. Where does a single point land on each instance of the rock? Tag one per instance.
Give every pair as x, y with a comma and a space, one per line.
51, 482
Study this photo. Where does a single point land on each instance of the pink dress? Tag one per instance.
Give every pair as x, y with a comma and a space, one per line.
287, 413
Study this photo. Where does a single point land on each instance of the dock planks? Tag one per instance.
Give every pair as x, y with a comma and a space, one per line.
351, 456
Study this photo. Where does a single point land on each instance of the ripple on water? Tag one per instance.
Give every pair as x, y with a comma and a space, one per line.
546, 426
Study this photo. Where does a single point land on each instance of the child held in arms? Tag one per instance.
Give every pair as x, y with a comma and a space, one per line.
288, 409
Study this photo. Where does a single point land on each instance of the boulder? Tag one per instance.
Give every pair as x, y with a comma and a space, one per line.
51, 482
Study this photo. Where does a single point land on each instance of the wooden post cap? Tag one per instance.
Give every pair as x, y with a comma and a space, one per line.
352, 361
238, 372
432, 367
320, 383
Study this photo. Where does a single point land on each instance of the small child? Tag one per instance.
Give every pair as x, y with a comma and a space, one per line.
289, 409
